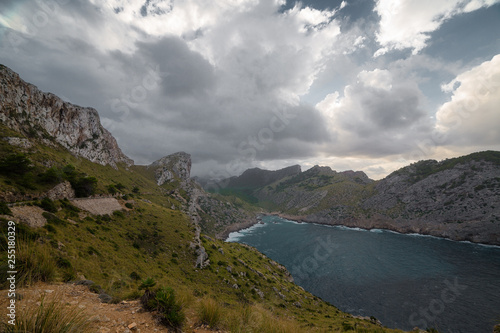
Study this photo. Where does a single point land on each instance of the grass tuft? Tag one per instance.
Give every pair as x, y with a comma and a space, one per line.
49, 316
34, 262
210, 313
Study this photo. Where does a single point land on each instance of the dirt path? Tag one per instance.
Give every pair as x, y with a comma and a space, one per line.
125, 317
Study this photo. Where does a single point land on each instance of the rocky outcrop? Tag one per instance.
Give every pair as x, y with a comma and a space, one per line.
44, 116
172, 167
61, 191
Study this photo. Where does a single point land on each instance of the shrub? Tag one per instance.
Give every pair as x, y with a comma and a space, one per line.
129, 205
15, 164
112, 189
118, 213
163, 302
136, 189
27, 180
50, 228
52, 176
63, 263
48, 205
135, 276
84, 186
147, 285
170, 311
53, 219
4, 209
91, 250
65, 203
69, 172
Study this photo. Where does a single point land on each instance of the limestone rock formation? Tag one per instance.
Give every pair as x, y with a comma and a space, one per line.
36, 114
171, 167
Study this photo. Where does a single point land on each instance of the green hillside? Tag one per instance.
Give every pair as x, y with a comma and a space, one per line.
150, 237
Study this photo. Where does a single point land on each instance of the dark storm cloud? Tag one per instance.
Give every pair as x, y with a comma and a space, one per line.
395, 109
183, 72
235, 85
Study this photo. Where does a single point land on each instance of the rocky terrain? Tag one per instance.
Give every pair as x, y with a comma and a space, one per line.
36, 114
456, 198
172, 167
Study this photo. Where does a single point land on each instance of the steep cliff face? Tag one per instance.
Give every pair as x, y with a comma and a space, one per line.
466, 191
44, 116
171, 167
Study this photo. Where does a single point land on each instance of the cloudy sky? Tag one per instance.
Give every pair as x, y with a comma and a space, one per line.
367, 85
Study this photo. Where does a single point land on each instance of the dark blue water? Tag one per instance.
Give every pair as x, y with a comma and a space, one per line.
403, 280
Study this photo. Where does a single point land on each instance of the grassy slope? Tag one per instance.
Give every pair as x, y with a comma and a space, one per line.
153, 240
342, 191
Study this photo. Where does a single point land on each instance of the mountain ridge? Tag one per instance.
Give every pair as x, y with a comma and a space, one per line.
454, 198
25, 108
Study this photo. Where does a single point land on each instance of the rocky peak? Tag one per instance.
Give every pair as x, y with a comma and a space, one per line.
357, 176
171, 167
46, 117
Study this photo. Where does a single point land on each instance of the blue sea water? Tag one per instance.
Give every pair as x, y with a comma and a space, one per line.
403, 280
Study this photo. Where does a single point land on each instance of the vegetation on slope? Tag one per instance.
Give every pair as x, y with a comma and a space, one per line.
151, 237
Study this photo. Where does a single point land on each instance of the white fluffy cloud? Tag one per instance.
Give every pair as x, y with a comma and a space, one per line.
407, 24
472, 117
378, 114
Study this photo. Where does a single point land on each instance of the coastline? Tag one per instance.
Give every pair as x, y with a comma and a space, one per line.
446, 231
465, 232
238, 226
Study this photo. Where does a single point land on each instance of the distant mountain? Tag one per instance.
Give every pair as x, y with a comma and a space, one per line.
26, 109
456, 198
255, 178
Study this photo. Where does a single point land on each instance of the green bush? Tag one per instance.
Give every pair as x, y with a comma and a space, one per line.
129, 205
84, 186
65, 203
53, 219
48, 205
112, 189
15, 164
135, 276
169, 309
118, 213
4, 209
163, 302
27, 180
52, 176
50, 228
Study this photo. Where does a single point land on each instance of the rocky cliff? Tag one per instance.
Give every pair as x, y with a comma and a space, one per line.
172, 167
456, 198
44, 116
